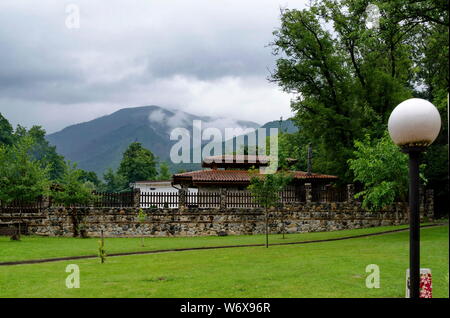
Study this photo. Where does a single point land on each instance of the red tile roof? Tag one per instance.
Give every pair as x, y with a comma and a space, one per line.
237, 158
235, 176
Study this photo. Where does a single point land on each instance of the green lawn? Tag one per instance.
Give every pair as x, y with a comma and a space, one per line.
327, 269
38, 247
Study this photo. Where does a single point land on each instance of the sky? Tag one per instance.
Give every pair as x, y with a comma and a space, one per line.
66, 62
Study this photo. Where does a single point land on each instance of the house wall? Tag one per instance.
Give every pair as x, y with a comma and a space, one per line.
305, 217
153, 188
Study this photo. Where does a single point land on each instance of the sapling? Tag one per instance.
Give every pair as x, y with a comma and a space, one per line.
101, 249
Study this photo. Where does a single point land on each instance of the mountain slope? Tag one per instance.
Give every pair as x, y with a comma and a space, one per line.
98, 144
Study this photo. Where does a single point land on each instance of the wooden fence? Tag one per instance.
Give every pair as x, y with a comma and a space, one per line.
201, 199
21, 206
116, 200
159, 199
329, 195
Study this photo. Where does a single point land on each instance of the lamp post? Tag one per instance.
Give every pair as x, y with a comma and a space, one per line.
413, 125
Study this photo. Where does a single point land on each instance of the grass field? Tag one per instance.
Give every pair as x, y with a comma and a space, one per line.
38, 247
327, 269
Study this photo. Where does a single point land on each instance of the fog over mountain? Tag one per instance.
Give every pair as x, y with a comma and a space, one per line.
99, 144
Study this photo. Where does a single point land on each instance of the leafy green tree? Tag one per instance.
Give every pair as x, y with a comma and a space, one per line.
138, 164
348, 78
91, 176
114, 182
74, 191
383, 170
45, 153
6, 131
265, 191
22, 177
164, 171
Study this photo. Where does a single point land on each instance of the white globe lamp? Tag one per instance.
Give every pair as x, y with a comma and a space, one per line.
413, 125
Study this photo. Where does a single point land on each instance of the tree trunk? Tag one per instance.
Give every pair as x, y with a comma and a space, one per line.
267, 228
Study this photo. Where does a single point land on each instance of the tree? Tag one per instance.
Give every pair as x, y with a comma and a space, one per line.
265, 191
45, 153
6, 131
91, 176
138, 164
22, 177
114, 182
73, 192
383, 170
348, 78
164, 171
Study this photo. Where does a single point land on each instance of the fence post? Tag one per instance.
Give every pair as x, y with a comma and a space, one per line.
223, 198
136, 198
182, 197
308, 192
350, 192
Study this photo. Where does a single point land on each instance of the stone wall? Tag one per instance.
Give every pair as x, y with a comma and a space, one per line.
302, 217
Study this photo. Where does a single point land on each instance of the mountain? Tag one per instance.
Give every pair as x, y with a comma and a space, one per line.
287, 126
99, 144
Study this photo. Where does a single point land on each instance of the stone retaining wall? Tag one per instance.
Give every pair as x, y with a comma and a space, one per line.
302, 217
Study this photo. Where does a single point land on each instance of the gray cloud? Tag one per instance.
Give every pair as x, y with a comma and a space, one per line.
205, 57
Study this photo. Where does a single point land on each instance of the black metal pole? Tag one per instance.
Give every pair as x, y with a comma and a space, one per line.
414, 224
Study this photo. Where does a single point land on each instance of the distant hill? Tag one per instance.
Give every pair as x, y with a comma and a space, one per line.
287, 126
99, 144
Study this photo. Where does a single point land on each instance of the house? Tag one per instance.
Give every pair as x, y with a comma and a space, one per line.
154, 186
158, 193
230, 172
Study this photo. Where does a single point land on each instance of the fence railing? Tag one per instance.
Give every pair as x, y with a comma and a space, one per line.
329, 195
159, 199
117, 200
21, 206
211, 199
200, 199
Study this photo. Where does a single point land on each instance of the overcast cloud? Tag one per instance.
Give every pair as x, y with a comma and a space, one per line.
201, 56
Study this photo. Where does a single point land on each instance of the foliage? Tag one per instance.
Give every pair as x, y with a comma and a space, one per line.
42, 150
347, 78
91, 177
114, 182
101, 250
21, 177
137, 164
141, 216
164, 171
265, 191
6, 131
383, 170
265, 188
74, 191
